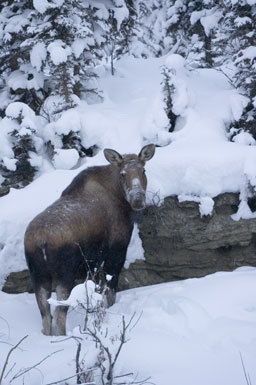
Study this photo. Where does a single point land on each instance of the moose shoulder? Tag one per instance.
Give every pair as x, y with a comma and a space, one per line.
89, 226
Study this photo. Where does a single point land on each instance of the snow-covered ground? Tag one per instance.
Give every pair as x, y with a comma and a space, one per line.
196, 162
189, 332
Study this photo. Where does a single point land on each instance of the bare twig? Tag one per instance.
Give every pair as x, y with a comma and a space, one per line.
8, 326
106, 350
8, 356
140, 382
78, 351
68, 378
24, 371
85, 260
112, 359
246, 375
10, 370
136, 322
66, 339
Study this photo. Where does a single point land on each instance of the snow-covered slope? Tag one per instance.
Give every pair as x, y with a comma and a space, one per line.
196, 161
188, 332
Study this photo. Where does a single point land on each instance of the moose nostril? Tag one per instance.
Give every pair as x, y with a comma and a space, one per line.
139, 197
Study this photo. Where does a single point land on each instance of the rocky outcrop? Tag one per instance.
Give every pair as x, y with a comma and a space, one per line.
180, 244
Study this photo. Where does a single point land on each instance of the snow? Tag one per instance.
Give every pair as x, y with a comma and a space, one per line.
197, 160
193, 331
42, 5
210, 22
18, 109
244, 138
38, 55
135, 250
83, 294
9, 163
188, 332
175, 62
78, 47
208, 18
21, 79
206, 204
247, 53
239, 21
121, 12
65, 159
58, 53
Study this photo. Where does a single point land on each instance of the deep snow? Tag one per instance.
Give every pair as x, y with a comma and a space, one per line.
197, 161
189, 332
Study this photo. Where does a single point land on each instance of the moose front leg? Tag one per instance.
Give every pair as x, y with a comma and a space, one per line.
113, 266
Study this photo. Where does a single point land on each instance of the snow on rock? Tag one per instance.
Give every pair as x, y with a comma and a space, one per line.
244, 212
206, 204
65, 158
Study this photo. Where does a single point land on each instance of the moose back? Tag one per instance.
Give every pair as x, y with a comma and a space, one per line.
89, 226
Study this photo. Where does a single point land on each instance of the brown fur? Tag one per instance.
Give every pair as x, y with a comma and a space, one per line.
90, 225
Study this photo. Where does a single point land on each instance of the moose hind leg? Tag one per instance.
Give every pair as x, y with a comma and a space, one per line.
43, 293
60, 313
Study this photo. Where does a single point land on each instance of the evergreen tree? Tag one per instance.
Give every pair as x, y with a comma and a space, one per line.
21, 161
20, 80
245, 61
204, 19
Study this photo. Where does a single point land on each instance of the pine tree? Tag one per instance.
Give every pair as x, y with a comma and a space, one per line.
204, 19
20, 80
19, 168
241, 20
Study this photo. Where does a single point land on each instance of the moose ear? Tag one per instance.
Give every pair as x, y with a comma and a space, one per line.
147, 152
113, 156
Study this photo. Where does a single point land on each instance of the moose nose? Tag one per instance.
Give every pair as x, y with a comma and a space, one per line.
138, 201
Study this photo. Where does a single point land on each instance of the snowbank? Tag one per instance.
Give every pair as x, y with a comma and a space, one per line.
189, 332
196, 162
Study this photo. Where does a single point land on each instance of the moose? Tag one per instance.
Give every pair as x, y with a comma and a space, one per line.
88, 227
